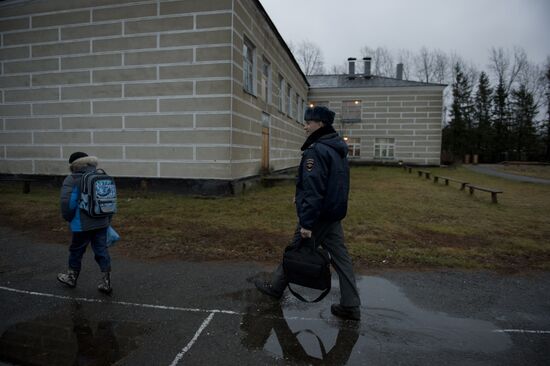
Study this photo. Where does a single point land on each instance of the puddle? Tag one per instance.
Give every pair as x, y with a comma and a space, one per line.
69, 338
391, 324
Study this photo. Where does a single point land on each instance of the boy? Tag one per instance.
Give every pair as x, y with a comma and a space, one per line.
85, 229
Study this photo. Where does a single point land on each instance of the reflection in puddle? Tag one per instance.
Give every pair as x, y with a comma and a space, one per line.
391, 312
69, 338
392, 325
265, 327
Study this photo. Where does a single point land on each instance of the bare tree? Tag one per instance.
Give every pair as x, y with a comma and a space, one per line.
533, 78
339, 69
309, 57
404, 56
382, 60
440, 67
469, 69
424, 62
505, 69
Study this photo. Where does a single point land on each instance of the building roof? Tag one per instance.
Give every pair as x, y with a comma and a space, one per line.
281, 40
359, 81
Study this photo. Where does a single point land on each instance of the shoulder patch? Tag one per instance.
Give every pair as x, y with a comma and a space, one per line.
310, 163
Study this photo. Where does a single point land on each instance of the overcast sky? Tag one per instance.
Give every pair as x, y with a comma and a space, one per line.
467, 27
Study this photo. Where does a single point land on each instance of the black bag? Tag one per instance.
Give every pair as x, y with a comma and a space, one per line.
307, 265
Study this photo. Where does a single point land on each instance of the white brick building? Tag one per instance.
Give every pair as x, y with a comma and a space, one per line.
174, 89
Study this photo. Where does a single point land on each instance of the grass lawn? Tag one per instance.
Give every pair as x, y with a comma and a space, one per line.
395, 220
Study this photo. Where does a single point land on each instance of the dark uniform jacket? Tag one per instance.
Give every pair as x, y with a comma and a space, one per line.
70, 198
322, 185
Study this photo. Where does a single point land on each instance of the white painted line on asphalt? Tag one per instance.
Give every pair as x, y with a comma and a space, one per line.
150, 306
521, 331
180, 355
161, 307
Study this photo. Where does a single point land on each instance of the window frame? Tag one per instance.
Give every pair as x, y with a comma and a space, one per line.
289, 100
352, 112
266, 88
354, 147
282, 87
384, 146
249, 65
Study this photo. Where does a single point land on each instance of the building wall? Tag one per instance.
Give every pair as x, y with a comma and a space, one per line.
285, 132
155, 89
412, 116
145, 86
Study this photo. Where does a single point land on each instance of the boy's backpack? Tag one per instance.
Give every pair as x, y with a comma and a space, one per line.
97, 194
307, 265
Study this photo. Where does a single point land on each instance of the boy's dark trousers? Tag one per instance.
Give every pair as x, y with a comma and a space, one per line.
330, 236
98, 239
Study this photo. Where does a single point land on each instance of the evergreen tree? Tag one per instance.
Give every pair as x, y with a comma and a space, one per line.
482, 116
523, 129
546, 138
457, 135
501, 121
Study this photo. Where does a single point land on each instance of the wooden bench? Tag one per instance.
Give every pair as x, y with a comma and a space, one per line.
447, 180
407, 168
493, 192
425, 172
26, 182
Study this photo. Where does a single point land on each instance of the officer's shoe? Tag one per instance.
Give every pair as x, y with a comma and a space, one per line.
105, 284
68, 278
346, 312
267, 288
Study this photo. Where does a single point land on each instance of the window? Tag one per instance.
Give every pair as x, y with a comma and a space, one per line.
281, 94
318, 104
384, 148
248, 66
354, 146
289, 100
265, 119
351, 111
299, 112
266, 81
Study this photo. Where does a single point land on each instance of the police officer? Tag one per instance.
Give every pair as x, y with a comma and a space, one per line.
321, 203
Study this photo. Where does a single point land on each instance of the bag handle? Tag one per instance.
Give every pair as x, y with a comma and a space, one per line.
321, 344
301, 298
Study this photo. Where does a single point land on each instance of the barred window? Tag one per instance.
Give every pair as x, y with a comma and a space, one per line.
281, 94
248, 66
318, 103
351, 111
266, 81
289, 100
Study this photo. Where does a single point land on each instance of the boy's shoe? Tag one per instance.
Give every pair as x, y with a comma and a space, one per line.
344, 312
267, 288
105, 284
68, 278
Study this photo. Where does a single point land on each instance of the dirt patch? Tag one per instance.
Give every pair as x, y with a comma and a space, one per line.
200, 242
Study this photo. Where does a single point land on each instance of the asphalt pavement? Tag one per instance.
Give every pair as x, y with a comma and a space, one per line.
192, 313
490, 169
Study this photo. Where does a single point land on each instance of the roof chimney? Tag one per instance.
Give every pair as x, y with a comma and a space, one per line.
399, 71
351, 61
367, 61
